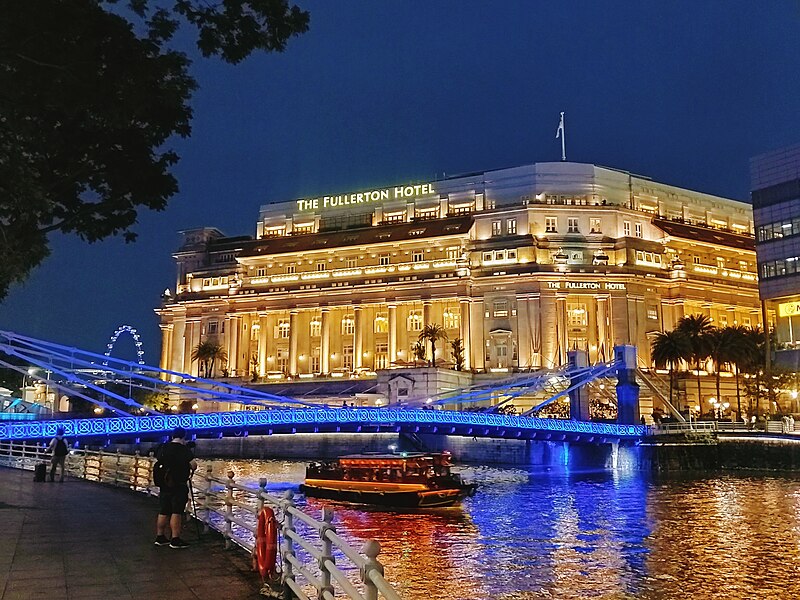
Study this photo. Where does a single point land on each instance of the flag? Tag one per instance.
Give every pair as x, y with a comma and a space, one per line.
560, 130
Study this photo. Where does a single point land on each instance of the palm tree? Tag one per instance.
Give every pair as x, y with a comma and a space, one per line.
716, 344
418, 351
207, 353
457, 346
432, 332
696, 329
739, 349
669, 348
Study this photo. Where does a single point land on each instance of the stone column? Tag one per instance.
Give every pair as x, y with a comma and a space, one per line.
523, 333
178, 333
477, 322
325, 342
534, 318
262, 344
464, 332
166, 348
293, 341
188, 346
358, 338
561, 326
426, 313
549, 330
392, 310
604, 349
234, 325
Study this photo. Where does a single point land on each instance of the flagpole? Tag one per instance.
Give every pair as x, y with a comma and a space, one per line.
561, 133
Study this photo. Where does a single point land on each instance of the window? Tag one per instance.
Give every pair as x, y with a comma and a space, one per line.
450, 319
383, 260
720, 262
255, 330
415, 320
638, 230
746, 321
576, 315
490, 204
488, 257
572, 225
348, 325
381, 356
381, 323
291, 269
261, 271
497, 228
283, 360
347, 358
743, 265
283, 328
500, 308
453, 253
213, 327
417, 256
696, 260
316, 365
594, 226
626, 228
511, 226
652, 313
322, 265
305, 228
316, 328
351, 263
723, 320
511, 254
395, 217
550, 224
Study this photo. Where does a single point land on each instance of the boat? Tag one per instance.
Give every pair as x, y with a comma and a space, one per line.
402, 480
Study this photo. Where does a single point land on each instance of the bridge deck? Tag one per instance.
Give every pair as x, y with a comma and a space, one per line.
89, 541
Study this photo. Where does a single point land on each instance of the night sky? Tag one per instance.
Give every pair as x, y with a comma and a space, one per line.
379, 93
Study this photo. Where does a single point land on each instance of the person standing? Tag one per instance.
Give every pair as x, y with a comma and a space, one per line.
58, 450
176, 463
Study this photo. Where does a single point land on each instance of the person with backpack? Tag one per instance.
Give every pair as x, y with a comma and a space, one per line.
58, 450
174, 466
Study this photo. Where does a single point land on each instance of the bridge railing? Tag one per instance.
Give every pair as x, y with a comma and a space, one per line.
233, 508
310, 548
669, 428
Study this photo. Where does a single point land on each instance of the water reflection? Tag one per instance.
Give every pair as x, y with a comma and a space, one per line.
553, 534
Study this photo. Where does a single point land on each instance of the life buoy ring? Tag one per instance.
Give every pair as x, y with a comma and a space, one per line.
265, 550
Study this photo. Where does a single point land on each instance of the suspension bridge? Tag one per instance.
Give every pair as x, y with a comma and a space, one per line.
470, 411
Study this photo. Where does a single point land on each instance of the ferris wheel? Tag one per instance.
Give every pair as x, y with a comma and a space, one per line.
136, 340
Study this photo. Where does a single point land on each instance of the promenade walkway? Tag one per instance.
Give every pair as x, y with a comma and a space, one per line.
82, 540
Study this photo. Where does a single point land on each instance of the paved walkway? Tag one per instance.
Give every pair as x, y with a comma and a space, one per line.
88, 541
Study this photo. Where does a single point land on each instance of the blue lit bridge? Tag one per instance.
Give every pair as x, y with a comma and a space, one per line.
85, 375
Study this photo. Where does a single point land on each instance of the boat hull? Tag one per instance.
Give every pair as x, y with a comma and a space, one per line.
392, 499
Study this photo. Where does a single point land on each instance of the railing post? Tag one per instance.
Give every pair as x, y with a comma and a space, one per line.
371, 549
262, 491
136, 470
288, 545
85, 464
206, 496
116, 467
229, 511
327, 553
100, 466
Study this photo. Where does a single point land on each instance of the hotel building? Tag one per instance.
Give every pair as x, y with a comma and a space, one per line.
775, 180
523, 264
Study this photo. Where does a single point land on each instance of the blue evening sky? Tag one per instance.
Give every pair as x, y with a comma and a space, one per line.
378, 93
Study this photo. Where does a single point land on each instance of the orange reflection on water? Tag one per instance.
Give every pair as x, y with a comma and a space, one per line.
430, 553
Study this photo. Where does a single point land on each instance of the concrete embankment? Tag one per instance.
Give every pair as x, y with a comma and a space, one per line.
665, 453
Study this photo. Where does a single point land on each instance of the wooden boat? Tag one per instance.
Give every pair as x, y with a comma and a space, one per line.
404, 480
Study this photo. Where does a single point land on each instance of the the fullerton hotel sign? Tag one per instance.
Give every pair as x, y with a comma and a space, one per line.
584, 285
341, 200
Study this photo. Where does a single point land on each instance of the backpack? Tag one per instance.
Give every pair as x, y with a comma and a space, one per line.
162, 476
61, 447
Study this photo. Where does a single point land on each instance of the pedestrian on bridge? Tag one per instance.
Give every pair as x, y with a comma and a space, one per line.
58, 450
171, 473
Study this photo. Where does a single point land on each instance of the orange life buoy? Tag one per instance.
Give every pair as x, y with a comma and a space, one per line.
266, 546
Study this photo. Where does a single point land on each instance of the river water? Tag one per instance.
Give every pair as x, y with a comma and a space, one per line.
531, 533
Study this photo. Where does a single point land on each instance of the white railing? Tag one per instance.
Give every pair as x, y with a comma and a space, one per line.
310, 548
232, 508
668, 428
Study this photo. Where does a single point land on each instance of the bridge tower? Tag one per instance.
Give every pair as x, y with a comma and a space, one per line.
579, 396
627, 388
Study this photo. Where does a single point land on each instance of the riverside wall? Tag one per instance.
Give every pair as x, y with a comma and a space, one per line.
672, 454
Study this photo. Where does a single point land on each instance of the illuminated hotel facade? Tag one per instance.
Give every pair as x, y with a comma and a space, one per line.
523, 264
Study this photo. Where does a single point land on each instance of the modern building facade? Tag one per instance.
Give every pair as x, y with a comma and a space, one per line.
775, 186
522, 264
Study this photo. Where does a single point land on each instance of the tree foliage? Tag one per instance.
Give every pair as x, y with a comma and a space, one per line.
90, 95
432, 332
